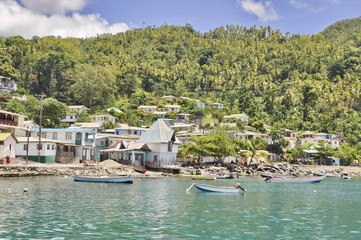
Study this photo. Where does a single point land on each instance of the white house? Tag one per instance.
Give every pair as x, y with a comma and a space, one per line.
78, 109
70, 118
95, 126
242, 117
218, 105
7, 85
173, 108
163, 145
201, 104
29, 125
7, 145
117, 110
80, 142
48, 149
169, 98
148, 109
103, 118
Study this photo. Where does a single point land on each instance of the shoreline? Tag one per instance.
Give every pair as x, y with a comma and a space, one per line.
110, 167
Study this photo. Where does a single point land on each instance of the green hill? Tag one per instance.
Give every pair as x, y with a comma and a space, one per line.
345, 30
295, 81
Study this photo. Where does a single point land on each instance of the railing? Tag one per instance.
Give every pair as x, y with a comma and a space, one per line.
77, 142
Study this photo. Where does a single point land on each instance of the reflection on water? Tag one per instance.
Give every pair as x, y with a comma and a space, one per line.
160, 208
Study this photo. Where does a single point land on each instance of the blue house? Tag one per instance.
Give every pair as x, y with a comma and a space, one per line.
124, 129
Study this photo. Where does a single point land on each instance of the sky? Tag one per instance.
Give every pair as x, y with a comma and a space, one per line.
87, 18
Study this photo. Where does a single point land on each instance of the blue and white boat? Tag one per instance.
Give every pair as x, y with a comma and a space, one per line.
104, 179
219, 189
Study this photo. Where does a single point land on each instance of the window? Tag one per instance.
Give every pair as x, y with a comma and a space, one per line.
48, 147
25, 147
71, 117
37, 134
39, 146
9, 146
52, 147
43, 135
55, 136
68, 135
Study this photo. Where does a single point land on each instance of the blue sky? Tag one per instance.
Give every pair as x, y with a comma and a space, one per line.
86, 18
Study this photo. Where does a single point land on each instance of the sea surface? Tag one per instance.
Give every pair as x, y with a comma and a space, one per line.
160, 208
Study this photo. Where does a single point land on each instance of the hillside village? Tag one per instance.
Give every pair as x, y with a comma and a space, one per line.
153, 146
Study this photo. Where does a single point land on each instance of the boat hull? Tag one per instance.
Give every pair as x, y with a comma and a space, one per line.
297, 180
219, 189
107, 179
140, 170
203, 178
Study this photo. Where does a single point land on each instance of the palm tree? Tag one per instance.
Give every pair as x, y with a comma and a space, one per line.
255, 148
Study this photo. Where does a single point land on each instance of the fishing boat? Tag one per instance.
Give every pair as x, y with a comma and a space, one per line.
104, 179
296, 179
219, 189
225, 177
267, 175
203, 178
140, 170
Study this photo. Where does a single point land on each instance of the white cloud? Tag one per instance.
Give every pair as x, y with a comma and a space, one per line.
18, 20
299, 4
54, 6
264, 10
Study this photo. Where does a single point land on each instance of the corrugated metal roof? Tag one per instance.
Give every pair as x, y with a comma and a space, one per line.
159, 132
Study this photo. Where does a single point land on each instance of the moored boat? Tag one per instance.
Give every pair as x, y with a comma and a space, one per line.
296, 179
203, 178
140, 170
219, 189
104, 179
267, 175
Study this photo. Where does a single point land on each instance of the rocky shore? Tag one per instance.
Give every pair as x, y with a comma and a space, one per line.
110, 167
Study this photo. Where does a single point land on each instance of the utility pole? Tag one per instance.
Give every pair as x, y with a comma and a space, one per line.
27, 146
41, 117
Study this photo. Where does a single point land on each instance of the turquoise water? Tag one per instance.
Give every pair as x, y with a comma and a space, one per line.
160, 208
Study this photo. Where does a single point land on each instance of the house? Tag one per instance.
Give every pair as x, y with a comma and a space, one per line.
201, 104
242, 117
184, 128
11, 119
95, 126
29, 125
117, 110
70, 118
78, 109
173, 108
124, 129
148, 109
163, 145
7, 145
160, 114
169, 98
79, 142
21, 98
7, 85
244, 136
48, 149
103, 118
218, 105
185, 98
184, 116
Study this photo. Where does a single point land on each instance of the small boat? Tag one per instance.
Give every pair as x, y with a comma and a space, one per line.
296, 179
219, 189
267, 175
225, 177
203, 178
140, 170
104, 179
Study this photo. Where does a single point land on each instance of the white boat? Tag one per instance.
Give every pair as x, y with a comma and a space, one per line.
219, 189
296, 180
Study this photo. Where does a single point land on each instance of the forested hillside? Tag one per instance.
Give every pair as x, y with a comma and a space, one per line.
297, 81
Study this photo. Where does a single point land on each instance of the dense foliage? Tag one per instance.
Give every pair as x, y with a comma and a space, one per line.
296, 81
